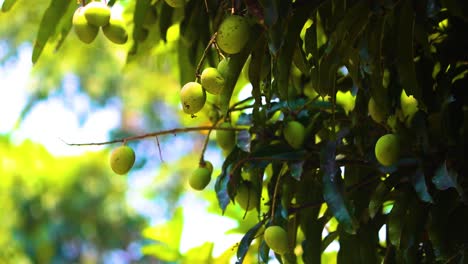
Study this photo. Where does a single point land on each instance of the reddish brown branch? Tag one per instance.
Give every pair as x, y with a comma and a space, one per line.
154, 134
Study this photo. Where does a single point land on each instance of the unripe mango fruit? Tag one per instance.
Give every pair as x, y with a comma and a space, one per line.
115, 31
193, 97
223, 67
85, 31
246, 197
200, 178
346, 100
233, 34
276, 238
387, 149
122, 159
97, 13
294, 134
226, 139
376, 113
409, 106
212, 81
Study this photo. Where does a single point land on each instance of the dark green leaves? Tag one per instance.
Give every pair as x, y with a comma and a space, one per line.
246, 241
406, 68
445, 178
333, 192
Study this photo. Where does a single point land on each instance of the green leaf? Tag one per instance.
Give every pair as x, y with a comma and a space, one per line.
296, 169
47, 28
445, 179
246, 241
167, 236
282, 68
375, 36
419, 183
141, 8
405, 56
380, 195
396, 219
165, 20
201, 254
229, 178
332, 236
7, 5
333, 192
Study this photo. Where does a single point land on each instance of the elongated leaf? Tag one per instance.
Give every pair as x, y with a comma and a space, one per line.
333, 193
375, 36
246, 241
286, 54
7, 5
141, 8
378, 197
419, 183
165, 20
444, 179
396, 219
47, 28
405, 65
229, 179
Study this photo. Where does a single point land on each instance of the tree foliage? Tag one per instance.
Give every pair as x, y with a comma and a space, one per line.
319, 63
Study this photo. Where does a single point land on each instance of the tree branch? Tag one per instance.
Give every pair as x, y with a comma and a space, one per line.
154, 134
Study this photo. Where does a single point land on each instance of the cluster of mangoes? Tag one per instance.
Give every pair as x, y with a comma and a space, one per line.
89, 18
232, 35
387, 147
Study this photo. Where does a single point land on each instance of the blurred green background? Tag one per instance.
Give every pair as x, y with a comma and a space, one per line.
63, 204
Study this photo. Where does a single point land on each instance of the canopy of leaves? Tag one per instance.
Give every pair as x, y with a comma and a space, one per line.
409, 56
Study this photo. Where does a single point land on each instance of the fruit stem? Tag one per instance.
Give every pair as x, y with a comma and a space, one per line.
202, 59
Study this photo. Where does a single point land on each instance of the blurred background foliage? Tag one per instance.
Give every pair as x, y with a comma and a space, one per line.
73, 209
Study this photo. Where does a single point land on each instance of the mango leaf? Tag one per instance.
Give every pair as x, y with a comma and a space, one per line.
225, 182
374, 45
380, 195
296, 169
47, 28
165, 20
141, 8
396, 219
167, 237
333, 192
201, 254
286, 53
7, 5
405, 61
419, 183
332, 236
246, 241
445, 179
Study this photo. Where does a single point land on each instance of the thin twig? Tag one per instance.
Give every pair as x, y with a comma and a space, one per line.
205, 52
154, 134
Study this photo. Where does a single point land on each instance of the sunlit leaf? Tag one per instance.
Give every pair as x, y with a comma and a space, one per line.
7, 5
51, 18
201, 254
167, 236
